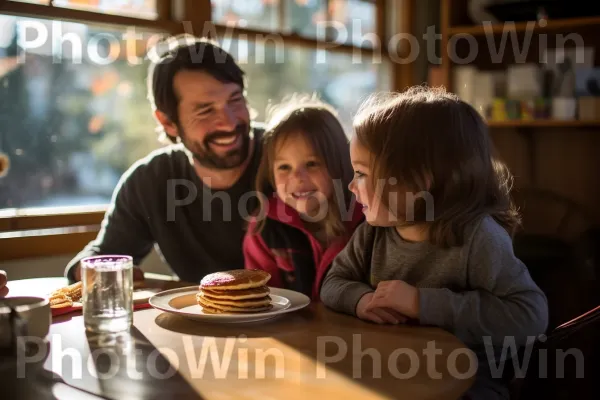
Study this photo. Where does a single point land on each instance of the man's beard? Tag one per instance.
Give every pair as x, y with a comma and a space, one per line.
209, 159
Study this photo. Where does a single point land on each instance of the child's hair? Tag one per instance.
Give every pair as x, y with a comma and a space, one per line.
431, 141
319, 124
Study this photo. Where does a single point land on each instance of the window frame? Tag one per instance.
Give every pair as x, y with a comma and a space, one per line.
26, 233
23, 219
162, 23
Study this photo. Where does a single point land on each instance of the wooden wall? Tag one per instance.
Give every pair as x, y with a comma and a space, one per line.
561, 162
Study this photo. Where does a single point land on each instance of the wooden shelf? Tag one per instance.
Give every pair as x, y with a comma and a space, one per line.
543, 124
543, 25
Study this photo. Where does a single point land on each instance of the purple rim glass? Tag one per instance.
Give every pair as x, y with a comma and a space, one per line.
107, 262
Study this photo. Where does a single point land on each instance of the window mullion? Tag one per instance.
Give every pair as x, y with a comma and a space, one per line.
164, 10
197, 13
381, 28
281, 15
403, 73
328, 19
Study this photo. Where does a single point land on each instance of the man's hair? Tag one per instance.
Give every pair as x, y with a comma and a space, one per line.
186, 52
431, 141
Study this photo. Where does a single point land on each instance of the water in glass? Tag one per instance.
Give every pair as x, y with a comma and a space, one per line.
107, 293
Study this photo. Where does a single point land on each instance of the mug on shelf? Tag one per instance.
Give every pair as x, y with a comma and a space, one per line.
564, 108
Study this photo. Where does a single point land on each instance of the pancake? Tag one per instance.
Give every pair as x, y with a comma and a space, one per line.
210, 310
243, 294
235, 291
209, 305
235, 280
263, 301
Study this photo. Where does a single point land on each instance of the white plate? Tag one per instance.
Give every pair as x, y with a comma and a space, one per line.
182, 302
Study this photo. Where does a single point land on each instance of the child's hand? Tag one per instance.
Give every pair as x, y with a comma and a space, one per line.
398, 296
378, 315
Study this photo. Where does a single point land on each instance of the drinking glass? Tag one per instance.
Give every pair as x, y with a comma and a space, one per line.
107, 293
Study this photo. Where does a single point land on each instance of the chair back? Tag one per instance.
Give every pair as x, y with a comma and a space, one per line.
564, 364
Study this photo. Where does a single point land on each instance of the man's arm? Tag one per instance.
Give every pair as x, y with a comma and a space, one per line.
124, 230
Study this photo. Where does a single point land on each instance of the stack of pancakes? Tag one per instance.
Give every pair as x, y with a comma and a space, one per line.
236, 291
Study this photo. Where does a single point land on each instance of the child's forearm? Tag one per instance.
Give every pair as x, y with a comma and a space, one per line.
476, 314
344, 284
342, 294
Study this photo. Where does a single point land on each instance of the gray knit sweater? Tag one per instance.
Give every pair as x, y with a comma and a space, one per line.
477, 290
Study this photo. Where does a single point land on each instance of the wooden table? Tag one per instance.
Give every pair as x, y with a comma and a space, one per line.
313, 353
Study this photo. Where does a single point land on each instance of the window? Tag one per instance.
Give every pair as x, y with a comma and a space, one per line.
341, 75
258, 14
73, 109
341, 79
303, 16
137, 8
345, 21
77, 116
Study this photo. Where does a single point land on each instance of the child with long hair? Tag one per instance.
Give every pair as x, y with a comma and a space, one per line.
307, 214
437, 245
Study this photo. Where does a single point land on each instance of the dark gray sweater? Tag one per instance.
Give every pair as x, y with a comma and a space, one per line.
479, 289
161, 201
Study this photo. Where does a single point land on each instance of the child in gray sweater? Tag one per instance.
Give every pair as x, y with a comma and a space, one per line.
436, 247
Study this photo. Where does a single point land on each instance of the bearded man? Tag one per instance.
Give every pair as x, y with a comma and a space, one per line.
190, 199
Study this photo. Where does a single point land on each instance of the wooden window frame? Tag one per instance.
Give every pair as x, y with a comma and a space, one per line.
162, 23
26, 233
